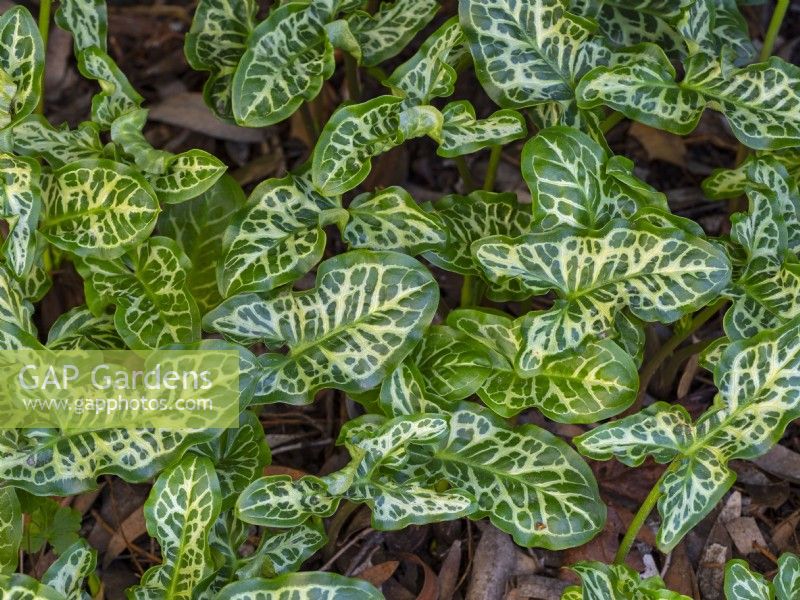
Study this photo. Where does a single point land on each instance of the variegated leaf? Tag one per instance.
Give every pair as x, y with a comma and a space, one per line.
278, 501
282, 552
179, 512
384, 34
463, 134
528, 482
391, 220
468, 219
287, 59
383, 297
743, 584
10, 530
357, 133
787, 581
79, 329
22, 587
67, 574
403, 392
34, 136
186, 176
20, 205
86, 20
587, 385
198, 227
431, 72
216, 42
15, 309
277, 237
21, 64
647, 92
629, 23
65, 464
575, 181
116, 96
529, 53
99, 208
153, 304
301, 586
239, 456
600, 581
659, 274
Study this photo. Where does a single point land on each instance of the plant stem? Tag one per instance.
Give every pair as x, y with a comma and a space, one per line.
466, 176
638, 520
610, 121
44, 33
471, 291
649, 370
351, 75
309, 120
491, 169
772, 31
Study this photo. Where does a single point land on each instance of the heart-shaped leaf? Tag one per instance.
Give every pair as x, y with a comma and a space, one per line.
383, 297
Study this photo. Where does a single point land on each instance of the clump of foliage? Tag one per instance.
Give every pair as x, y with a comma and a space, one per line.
169, 247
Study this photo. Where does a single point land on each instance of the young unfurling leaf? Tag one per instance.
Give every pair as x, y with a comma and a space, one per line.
20, 205
462, 133
658, 273
385, 297
116, 96
609, 582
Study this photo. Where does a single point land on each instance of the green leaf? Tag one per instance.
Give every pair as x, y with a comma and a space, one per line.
463, 134
239, 456
198, 227
99, 208
20, 205
391, 220
755, 377
659, 274
79, 329
66, 575
276, 238
383, 297
150, 291
278, 501
301, 586
468, 219
86, 20
179, 512
10, 530
187, 175
600, 581
528, 482
287, 59
647, 92
384, 34
787, 581
49, 523
65, 464
575, 181
529, 53
15, 309
282, 553
742, 583
403, 392
594, 382
22, 587
216, 42
431, 72
21, 64
358, 132
116, 96
35, 136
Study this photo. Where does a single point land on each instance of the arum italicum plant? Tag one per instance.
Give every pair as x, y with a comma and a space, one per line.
169, 247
